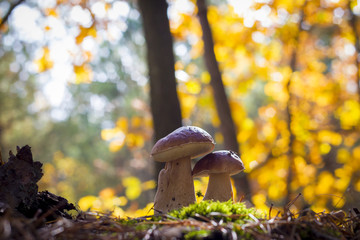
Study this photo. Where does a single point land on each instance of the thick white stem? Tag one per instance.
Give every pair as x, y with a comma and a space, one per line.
175, 186
219, 187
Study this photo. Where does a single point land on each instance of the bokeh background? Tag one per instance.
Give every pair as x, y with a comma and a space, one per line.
74, 86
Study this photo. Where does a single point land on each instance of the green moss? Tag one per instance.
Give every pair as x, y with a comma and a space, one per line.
199, 234
127, 221
142, 227
227, 211
73, 213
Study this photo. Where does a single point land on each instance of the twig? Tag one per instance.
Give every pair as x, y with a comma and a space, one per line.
1, 161
270, 209
287, 207
7, 15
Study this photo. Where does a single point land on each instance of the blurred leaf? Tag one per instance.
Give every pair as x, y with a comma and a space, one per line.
44, 63
122, 124
51, 12
107, 193
133, 187
148, 185
83, 73
134, 140
116, 145
85, 203
85, 32
193, 87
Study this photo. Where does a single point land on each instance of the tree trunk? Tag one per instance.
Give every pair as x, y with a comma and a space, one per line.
165, 105
353, 21
289, 119
227, 126
289, 116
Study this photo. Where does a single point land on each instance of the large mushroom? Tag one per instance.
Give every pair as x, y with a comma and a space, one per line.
219, 166
175, 182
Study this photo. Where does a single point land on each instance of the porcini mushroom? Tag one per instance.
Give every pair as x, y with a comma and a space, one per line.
219, 166
175, 182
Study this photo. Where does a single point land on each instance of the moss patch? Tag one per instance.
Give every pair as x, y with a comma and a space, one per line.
225, 211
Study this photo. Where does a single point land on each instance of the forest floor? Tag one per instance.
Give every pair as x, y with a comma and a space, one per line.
28, 214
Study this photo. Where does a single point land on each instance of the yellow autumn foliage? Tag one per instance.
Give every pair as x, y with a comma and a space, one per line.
44, 63
83, 73
293, 93
85, 32
107, 200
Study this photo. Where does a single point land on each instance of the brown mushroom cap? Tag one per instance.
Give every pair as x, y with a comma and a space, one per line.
187, 141
218, 162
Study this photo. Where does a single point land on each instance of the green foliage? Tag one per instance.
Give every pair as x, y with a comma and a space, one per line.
129, 222
226, 211
199, 234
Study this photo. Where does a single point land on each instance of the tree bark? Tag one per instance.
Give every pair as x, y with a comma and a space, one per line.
353, 21
165, 104
289, 119
227, 126
289, 116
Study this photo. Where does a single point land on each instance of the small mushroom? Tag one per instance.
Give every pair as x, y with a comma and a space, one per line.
219, 166
175, 183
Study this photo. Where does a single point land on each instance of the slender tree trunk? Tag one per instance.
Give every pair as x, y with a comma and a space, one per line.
353, 21
8, 13
351, 195
290, 153
227, 125
2, 161
165, 105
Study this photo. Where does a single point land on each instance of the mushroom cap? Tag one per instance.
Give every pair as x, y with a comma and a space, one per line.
218, 162
187, 141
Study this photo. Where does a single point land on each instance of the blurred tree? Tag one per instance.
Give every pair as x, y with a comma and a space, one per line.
165, 105
353, 22
16, 94
292, 88
289, 105
315, 116
227, 125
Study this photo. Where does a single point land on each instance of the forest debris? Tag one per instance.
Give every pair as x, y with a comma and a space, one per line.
1, 161
104, 226
19, 189
19, 177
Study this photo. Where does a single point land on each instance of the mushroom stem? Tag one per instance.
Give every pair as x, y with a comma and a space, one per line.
219, 187
176, 187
